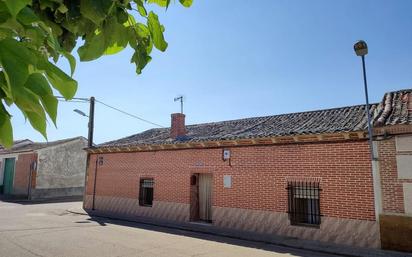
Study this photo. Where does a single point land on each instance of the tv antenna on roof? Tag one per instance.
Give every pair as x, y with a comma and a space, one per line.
181, 99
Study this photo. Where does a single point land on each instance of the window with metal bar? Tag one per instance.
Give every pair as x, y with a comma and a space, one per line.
304, 203
146, 192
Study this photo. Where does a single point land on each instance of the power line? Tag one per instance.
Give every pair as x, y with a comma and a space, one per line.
72, 101
129, 114
74, 98
84, 100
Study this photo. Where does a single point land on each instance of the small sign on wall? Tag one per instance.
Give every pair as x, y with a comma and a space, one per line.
226, 154
227, 181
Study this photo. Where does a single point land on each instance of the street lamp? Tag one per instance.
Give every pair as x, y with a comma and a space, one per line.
80, 112
91, 120
361, 49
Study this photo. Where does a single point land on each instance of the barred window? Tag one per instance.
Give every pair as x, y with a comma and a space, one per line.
304, 203
146, 192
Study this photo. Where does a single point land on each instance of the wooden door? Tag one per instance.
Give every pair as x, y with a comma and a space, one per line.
205, 197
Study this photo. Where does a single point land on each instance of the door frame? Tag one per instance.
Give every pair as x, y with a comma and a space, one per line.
194, 198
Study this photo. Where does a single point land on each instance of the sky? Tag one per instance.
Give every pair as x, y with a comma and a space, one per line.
239, 59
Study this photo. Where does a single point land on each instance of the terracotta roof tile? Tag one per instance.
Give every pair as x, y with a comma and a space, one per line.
392, 110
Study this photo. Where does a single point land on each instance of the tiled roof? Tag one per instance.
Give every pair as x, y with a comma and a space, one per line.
393, 110
26, 145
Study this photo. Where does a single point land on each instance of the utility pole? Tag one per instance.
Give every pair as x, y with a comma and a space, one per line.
91, 122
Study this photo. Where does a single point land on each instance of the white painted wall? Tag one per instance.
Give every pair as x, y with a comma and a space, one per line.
62, 166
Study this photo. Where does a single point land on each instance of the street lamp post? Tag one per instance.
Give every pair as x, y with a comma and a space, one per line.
361, 49
91, 121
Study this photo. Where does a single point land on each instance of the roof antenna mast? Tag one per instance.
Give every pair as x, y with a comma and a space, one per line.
180, 98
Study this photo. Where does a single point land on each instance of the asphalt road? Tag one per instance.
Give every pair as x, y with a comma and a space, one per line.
47, 229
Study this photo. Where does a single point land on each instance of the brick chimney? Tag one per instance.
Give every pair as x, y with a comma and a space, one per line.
178, 128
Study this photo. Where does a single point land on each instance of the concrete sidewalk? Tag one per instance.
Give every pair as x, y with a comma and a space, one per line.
316, 246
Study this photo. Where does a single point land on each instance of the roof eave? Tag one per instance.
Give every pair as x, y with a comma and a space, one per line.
290, 139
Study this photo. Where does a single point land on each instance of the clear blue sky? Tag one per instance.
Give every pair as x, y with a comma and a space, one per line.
238, 59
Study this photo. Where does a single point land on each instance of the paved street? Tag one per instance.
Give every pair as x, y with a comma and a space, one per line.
47, 229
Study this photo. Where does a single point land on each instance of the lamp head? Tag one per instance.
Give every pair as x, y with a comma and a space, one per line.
361, 48
80, 112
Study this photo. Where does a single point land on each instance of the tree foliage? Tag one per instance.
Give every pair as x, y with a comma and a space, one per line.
34, 34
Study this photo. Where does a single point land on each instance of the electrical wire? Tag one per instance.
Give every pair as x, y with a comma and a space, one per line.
129, 114
72, 101
85, 100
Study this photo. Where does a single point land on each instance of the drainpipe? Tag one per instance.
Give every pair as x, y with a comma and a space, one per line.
85, 179
95, 179
33, 167
30, 176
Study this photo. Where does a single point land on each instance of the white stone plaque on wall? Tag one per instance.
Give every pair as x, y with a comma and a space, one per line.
227, 181
404, 164
403, 143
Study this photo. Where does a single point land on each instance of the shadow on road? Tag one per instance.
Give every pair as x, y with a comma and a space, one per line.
211, 237
24, 201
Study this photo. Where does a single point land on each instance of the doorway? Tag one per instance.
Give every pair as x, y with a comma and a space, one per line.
201, 197
8, 176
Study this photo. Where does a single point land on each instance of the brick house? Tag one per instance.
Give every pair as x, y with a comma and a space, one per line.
43, 170
306, 175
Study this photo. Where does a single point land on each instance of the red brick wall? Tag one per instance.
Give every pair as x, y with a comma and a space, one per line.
259, 175
22, 172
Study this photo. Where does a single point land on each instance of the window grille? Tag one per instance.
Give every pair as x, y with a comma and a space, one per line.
304, 203
146, 192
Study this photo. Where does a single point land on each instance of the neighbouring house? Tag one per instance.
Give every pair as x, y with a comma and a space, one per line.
43, 170
307, 175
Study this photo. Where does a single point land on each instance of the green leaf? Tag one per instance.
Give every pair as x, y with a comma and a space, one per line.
4, 12
156, 32
140, 58
115, 36
38, 122
6, 131
142, 30
186, 3
4, 87
140, 8
15, 59
26, 16
62, 8
38, 84
161, 3
61, 81
72, 61
96, 10
16, 5
93, 48
29, 104
4, 33
113, 49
